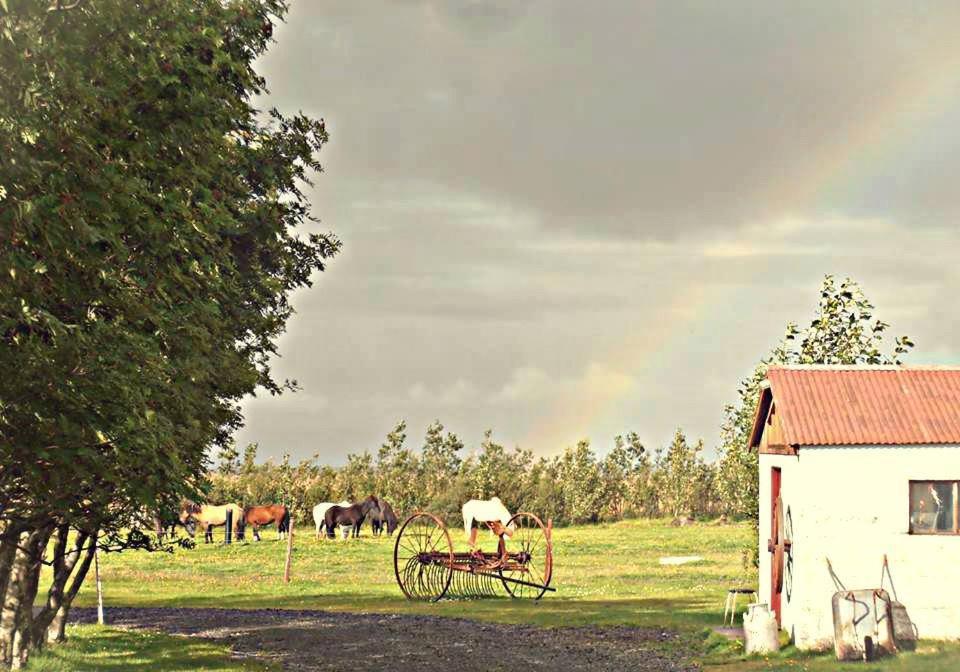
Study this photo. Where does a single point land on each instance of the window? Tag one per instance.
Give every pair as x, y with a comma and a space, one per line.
934, 507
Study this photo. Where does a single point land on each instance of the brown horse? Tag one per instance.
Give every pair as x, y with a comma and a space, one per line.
208, 516
268, 514
352, 515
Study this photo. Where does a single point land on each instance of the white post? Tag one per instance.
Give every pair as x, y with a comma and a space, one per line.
286, 568
96, 572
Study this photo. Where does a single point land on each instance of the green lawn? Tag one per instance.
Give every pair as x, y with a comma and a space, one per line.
604, 574
929, 657
91, 647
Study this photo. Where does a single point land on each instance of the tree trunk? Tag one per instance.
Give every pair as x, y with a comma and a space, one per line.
22, 641
64, 560
10, 609
56, 630
8, 547
17, 611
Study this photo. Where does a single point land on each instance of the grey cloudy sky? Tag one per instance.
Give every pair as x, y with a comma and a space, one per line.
567, 219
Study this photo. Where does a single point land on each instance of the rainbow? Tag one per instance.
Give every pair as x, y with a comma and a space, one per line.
826, 177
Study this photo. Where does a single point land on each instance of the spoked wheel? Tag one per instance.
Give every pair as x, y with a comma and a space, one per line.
779, 545
423, 557
530, 557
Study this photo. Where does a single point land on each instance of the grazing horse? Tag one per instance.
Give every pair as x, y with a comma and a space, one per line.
320, 511
490, 511
166, 526
268, 514
389, 517
383, 515
208, 516
348, 515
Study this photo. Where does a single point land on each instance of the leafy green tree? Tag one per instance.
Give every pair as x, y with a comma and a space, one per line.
229, 464
545, 496
439, 462
843, 331
356, 479
582, 484
680, 467
620, 470
397, 470
320, 487
497, 472
487, 470
147, 213
249, 464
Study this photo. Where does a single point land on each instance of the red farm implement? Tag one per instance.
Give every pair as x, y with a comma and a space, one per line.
428, 568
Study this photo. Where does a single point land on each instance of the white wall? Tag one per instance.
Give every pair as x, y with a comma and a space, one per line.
851, 504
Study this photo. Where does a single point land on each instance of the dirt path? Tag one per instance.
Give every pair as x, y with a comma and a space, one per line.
319, 640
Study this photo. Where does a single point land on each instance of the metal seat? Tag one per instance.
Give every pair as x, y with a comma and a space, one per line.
730, 607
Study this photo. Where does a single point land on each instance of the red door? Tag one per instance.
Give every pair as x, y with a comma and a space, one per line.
776, 572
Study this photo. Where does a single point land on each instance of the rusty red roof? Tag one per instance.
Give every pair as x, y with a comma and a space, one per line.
862, 405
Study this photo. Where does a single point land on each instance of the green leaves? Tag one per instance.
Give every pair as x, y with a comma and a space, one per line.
148, 254
843, 331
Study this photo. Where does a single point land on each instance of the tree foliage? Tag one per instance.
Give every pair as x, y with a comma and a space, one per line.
844, 330
147, 212
575, 486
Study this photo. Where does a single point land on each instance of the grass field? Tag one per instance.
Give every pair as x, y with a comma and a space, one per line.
604, 574
91, 647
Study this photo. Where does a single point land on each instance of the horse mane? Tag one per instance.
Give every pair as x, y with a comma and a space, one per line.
190, 506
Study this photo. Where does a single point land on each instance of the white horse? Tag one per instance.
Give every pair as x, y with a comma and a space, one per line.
484, 511
320, 512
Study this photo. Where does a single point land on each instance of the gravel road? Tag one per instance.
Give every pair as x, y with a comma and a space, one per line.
321, 640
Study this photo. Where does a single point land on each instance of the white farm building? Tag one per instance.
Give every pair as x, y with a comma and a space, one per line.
858, 462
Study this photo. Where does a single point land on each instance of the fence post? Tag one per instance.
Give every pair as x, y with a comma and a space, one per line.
286, 568
228, 531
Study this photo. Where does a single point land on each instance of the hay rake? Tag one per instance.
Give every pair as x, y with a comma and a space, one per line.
428, 569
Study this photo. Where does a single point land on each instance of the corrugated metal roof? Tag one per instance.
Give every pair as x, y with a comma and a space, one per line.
865, 405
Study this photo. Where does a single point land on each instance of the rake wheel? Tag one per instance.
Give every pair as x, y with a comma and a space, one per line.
529, 557
423, 557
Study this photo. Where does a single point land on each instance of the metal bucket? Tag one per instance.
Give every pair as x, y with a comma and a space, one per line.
761, 634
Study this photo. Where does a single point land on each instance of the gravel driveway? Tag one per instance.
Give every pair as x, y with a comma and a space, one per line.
321, 640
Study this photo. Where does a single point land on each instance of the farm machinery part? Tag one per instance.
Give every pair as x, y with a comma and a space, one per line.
427, 568
779, 545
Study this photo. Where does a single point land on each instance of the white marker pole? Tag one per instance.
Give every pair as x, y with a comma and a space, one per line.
286, 566
96, 573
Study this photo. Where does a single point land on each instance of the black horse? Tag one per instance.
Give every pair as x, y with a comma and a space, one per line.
349, 515
166, 526
382, 516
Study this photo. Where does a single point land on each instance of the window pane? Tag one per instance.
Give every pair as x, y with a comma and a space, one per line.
931, 507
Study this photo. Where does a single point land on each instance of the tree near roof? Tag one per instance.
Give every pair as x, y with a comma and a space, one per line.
843, 331
147, 211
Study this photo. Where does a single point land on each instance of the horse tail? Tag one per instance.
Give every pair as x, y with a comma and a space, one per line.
285, 520
241, 524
